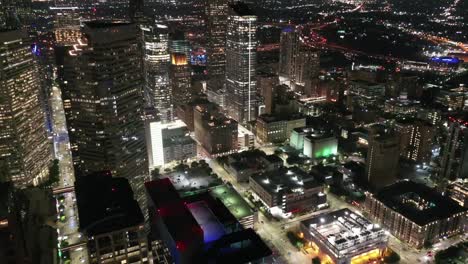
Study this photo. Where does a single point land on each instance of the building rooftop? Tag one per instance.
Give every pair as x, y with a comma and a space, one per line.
191, 178
273, 159
249, 155
412, 120
214, 118
242, 131
183, 140
106, 24
244, 246
269, 118
178, 219
286, 180
212, 228
402, 102
221, 212
343, 230
106, 204
204, 214
232, 200
418, 202
318, 135
238, 166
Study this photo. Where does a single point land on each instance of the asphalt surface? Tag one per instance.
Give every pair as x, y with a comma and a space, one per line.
67, 230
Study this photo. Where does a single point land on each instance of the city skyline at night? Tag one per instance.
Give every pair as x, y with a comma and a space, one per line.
225, 131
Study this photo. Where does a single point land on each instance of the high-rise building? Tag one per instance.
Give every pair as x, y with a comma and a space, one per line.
306, 70
288, 190
415, 213
382, 157
454, 163
453, 99
26, 235
186, 112
277, 128
216, 133
158, 92
15, 14
289, 48
179, 44
66, 22
266, 84
111, 220
25, 151
299, 65
415, 139
103, 102
241, 60
168, 142
216, 22
458, 191
181, 79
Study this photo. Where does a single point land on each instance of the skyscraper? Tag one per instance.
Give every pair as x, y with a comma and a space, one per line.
454, 163
156, 61
111, 220
26, 235
382, 157
15, 14
216, 21
299, 65
66, 22
103, 102
306, 69
289, 47
415, 139
25, 151
241, 60
179, 44
181, 80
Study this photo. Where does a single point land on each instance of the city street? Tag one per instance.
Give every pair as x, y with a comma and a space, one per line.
68, 230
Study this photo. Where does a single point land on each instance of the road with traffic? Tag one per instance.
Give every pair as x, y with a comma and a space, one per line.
68, 232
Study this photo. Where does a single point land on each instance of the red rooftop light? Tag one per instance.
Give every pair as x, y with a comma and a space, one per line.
181, 246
